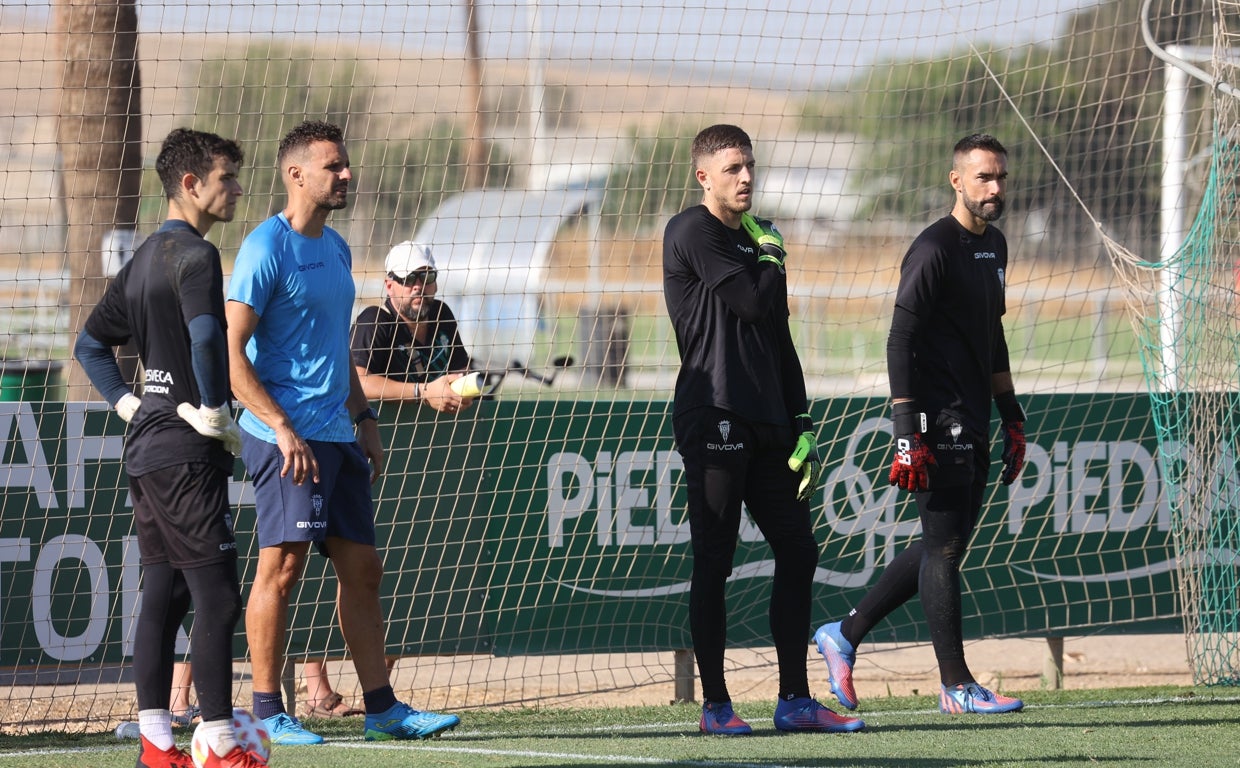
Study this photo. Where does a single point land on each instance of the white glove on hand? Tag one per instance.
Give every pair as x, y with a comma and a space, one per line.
127, 406
213, 422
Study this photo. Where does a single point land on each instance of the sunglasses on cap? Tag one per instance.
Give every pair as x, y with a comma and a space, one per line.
423, 276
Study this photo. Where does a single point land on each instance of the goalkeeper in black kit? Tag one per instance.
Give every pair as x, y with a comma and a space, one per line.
169, 302
947, 359
741, 423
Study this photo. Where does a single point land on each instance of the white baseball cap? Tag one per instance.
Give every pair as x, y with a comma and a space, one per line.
408, 257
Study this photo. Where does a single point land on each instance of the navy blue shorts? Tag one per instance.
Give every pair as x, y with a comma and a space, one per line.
338, 505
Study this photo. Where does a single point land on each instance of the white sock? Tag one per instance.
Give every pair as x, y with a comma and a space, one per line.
219, 734
156, 726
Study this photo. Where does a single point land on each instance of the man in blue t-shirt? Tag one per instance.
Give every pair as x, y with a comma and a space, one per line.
289, 306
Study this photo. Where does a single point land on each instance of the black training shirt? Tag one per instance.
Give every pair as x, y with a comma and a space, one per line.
947, 334
174, 276
730, 315
382, 343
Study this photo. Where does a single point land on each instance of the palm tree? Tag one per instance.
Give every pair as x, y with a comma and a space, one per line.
99, 133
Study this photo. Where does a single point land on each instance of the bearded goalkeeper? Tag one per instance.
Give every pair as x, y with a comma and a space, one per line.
947, 359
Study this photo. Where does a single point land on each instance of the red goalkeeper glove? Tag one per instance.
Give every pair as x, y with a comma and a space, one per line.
1013, 427
911, 467
1013, 451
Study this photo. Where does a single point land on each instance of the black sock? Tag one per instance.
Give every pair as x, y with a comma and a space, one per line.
379, 700
268, 704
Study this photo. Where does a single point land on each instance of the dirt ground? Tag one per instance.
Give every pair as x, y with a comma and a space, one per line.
461, 682
882, 670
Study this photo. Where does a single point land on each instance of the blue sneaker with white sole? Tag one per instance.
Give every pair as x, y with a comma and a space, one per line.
286, 730
404, 722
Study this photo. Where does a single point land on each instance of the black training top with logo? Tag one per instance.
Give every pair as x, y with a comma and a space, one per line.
947, 332
173, 277
737, 357
383, 344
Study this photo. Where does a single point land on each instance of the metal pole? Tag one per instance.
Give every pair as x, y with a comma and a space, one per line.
537, 176
1175, 165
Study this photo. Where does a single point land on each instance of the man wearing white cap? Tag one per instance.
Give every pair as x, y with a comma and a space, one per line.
410, 347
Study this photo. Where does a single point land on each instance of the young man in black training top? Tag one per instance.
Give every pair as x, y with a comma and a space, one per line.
742, 427
946, 360
169, 300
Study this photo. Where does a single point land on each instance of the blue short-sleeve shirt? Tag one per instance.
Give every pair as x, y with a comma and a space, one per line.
302, 290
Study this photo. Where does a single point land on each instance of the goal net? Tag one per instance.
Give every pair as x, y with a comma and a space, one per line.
1188, 330
535, 545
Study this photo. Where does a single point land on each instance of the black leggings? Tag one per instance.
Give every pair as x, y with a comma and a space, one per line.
755, 472
166, 595
930, 567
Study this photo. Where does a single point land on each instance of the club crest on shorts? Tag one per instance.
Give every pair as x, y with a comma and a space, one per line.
316, 503
725, 431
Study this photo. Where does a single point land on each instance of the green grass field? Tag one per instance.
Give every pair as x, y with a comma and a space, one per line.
1117, 727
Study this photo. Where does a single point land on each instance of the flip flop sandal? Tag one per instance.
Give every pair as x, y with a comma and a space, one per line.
186, 718
332, 706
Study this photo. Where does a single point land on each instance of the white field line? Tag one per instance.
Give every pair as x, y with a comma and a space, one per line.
445, 745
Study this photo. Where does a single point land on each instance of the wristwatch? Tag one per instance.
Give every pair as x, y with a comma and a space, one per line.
369, 413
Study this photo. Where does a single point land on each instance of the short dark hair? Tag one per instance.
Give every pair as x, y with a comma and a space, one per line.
306, 134
718, 137
188, 151
978, 141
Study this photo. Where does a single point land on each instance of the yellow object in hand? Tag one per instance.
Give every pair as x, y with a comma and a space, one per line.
469, 385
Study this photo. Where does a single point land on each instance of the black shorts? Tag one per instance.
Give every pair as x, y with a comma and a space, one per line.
959, 455
729, 460
182, 516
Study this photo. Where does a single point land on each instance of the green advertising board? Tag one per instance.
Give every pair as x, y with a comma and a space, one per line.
531, 527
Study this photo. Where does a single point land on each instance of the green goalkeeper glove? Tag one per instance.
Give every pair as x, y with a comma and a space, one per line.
770, 242
804, 458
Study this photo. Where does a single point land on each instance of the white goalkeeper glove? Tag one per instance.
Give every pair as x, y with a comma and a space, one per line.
127, 406
216, 423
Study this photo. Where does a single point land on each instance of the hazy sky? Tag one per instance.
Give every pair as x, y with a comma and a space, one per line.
784, 38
